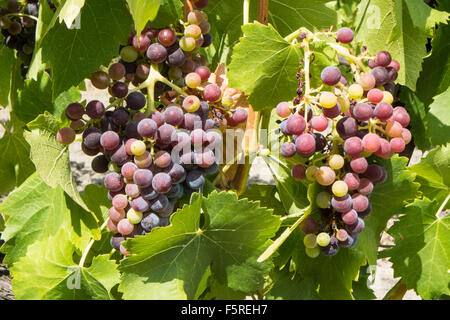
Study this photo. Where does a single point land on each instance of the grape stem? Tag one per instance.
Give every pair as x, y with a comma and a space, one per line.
153, 77
246, 11
89, 246
22, 15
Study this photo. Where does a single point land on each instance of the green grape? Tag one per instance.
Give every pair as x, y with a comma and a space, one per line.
311, 173
387, 97
310, 241
327, 99
227, 101
355, 91
344, 103
336, 161
323, 239
323, 200
138, 148
128, 54
134, 216
192, 80
312, 252
339, 188
187, 43
191, 103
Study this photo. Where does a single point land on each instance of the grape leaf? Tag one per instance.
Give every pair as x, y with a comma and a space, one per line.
433, 174
143, 11
70, 11
48, 272
219, 291
6, 61
387, 199
71, 53
170, 11
420, 255
2, 223
290, 286
50, 157
361, 289
438, 119
266, 195
289, 15
266, 75
424, 17
435, 76
15, 164
35, 211
417, 112
328, 272
169, 262
293, 194
387, 25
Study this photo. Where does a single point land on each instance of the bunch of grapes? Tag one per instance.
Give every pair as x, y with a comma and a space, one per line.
153, 156
18, 28
345, 130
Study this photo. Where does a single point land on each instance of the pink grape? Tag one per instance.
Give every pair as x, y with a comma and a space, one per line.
365, 186
375, 95
394, 129
125, 227
345, 35
305, 144
359, 164
296, 124
384, 149
349, 217
212, 93
383, 111
362, 111
360, 202
319, 123
116, 214
371, 142
397, 144
283, 110
353, 146
352, 180
128, 170
120, 201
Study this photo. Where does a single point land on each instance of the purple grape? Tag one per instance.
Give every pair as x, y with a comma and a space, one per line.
149, 222
74, 111
139, 204
332, 248
166, 134
174, 115
119, 156
143, 178
131, 130
136, 100
119, 90
240, 115
91, 138
191, 121
147, 128
355, 228
347, 127
331, 75
360, 202
159, 203
287, 149
162, 182
100, 164
195, 179
345, 35
305, 144
381, 75
114, 181
156, 53
149, 193
342, 204
109, 140
95, 109
332, 112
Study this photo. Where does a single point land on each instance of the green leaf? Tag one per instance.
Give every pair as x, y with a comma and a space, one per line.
69, 11
333, 276
266, 75
424, 17
74, 54
2, 223
50, 157
143, 11
48, 272
293, 194
34, 98
267, 196
15, 164
170, 11
432, 172
219, 291
439, 120
34, 211
361, 289
420, 255
435, 76
387, 199
6, 61
290, 286
170, 262
289, 15
417, 112
387, 25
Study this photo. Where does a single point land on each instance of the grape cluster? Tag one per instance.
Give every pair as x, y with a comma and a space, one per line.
18, 28
153, 156
340, 137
